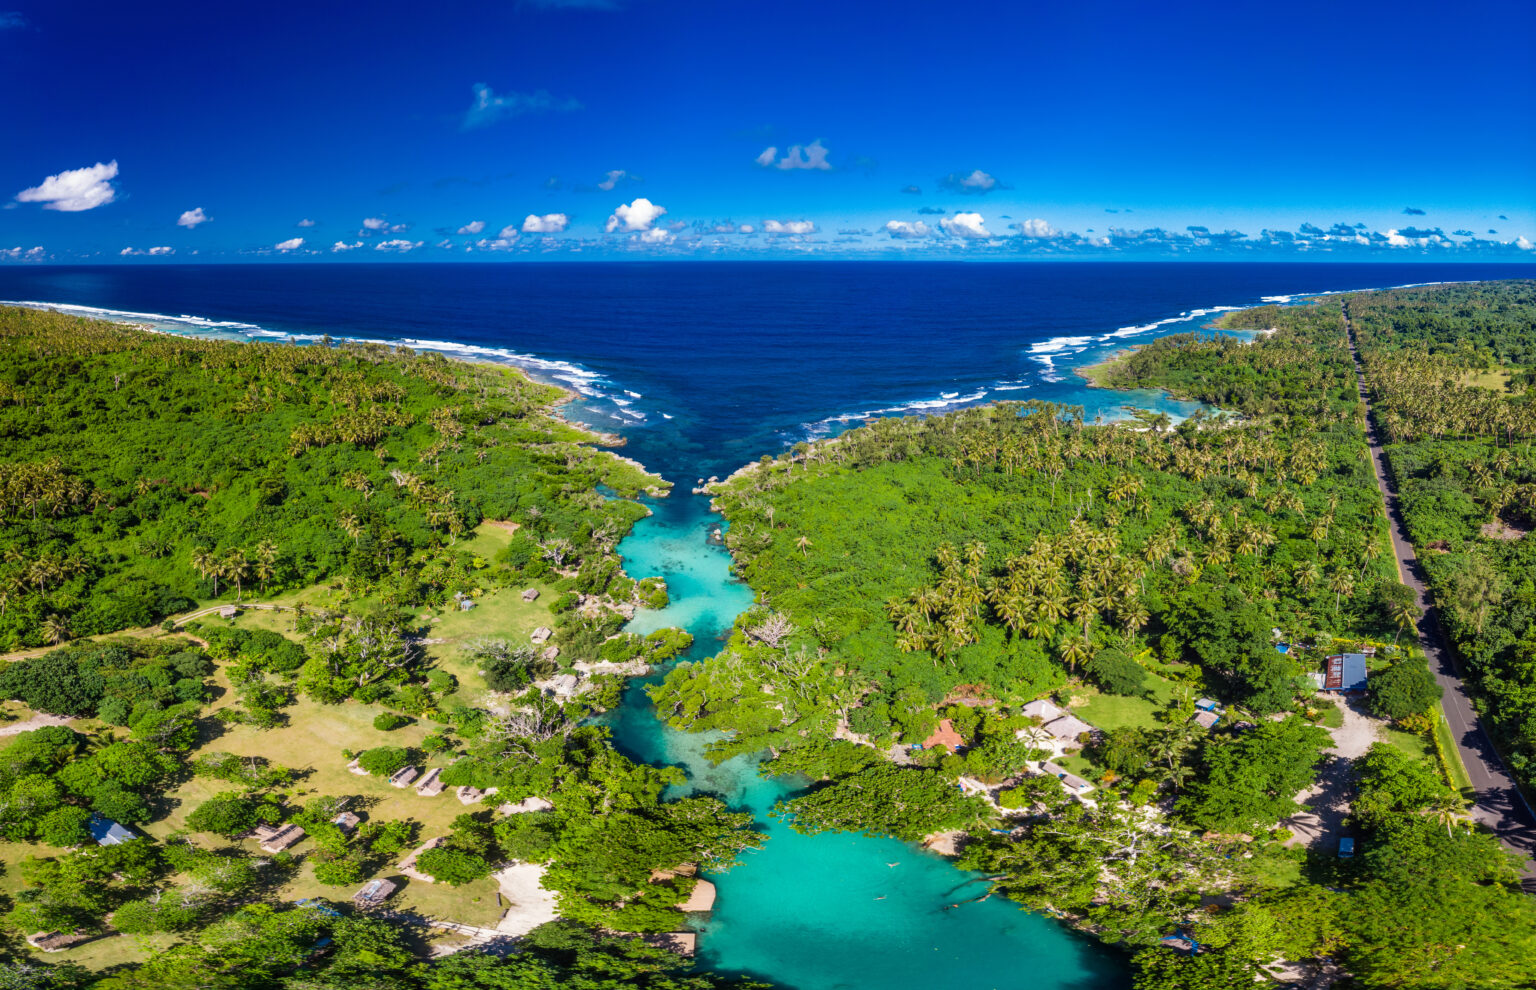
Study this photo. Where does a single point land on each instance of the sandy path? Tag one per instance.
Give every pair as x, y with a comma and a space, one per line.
35, 722
530, 904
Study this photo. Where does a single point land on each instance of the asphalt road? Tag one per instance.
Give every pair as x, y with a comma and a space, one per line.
1498, 804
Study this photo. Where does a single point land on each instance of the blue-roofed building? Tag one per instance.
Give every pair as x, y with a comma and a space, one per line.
1345, 672
106, 832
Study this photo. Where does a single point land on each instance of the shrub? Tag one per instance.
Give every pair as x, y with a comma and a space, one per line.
453, 866
1115, 672
389, 721
384, 761
1406, 688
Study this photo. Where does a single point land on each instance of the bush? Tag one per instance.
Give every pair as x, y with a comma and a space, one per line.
231, 815
453, 866
389, 721
64, 827
339, 872
1404, 689
1115, 672
564, 603
384, 761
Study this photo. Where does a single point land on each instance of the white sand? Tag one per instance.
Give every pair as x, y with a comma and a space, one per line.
530, 904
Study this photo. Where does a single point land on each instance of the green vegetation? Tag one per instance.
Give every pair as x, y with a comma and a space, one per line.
368, 495
1462, 460
921, 574
144, 472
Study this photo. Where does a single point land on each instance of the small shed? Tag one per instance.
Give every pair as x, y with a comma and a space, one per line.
346, 821
945, 735
264, 832
541, 635
1207, 720
465, 604
286, 836
1345, 672
55, 941
357, 768
1073, 783
1042, 709
106, 832
374, 893
228, 611
531, 594
1068, 728
402, 777
469, 795
430, 785
551, 653
1207, 705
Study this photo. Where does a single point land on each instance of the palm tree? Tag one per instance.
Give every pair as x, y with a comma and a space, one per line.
803, 542
1404, 614
207, 565
1074, 650
1341, 583
236, 567
55, 630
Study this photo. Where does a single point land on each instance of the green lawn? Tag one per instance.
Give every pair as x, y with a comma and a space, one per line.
1415, 746
1113, 711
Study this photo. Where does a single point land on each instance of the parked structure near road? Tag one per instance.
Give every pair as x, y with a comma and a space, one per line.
1345, 672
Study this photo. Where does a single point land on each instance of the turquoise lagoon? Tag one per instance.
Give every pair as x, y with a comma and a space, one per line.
832, 911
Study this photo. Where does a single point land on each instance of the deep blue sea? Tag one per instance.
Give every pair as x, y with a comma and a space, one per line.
702, 367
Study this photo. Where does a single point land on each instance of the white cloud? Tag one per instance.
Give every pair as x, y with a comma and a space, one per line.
811, 156
1035, 228
76, 190
502, 243
306, 222
1524, 243
18, 253
397, 245
341, 246
191, 218
968, 225
129, 252
292, 244
977, 182
379, 225
638, 215
789, 227
473, 227
490, 107
549, 223
745, 228
907, 230
615, 176
162, 250
656, 235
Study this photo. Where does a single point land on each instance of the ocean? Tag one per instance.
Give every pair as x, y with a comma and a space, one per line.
702, 367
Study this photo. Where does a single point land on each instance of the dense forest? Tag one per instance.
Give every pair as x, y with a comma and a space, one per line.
142, 475
1451, 370
922, 580
144, 472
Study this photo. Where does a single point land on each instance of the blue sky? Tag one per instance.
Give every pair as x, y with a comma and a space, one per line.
175, 131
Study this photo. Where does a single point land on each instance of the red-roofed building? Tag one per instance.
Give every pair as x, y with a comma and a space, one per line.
944, 735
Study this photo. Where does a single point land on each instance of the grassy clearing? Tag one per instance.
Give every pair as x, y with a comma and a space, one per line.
1494, 379
1113, 711
1414, 745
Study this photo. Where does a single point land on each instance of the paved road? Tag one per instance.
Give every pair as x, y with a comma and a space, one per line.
1498, 803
